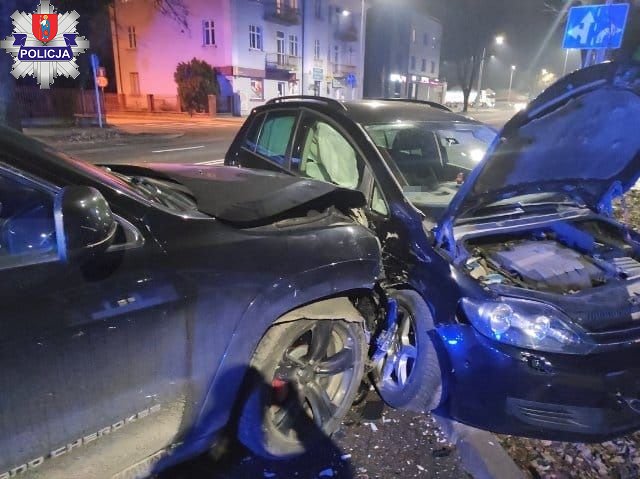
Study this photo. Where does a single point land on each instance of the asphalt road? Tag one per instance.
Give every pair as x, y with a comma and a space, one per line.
172, 139
149, 140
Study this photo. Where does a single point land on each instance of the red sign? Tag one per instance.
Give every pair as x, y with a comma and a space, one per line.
44, 26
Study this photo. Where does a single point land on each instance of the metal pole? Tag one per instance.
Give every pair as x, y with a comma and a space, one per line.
362, 46
510, 85
94, 64
480, 74
304, 20
566, 60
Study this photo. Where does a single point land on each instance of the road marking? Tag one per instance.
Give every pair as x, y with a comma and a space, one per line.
179, 149
212, 162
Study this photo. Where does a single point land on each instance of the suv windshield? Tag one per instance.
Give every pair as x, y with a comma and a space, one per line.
430, 160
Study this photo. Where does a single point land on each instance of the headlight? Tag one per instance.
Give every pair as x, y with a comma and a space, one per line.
526, 324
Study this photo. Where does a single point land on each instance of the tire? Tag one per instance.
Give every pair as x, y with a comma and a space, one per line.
407, 373
296, 368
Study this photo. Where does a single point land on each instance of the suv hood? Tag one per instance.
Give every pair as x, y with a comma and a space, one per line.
579, 138
248, 198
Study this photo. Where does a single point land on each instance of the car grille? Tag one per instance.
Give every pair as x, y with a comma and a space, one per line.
552, 415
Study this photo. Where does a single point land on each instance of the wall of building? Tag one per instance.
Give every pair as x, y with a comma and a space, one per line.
403, 54
249, 75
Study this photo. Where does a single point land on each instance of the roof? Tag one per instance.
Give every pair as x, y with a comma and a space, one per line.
381, 111
373, 111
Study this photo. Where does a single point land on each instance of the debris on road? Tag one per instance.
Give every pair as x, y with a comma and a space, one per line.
394, 450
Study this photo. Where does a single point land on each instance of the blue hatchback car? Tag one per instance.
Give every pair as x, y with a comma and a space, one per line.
515, 294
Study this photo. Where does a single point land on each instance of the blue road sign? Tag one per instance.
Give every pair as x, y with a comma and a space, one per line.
596, 26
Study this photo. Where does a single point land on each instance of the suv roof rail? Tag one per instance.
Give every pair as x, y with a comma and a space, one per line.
310, 98
432, 104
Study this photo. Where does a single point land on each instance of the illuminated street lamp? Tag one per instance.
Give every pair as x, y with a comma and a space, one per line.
498, 40
544, 72
513, 70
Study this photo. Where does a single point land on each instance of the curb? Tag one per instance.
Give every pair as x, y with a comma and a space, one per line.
480, 451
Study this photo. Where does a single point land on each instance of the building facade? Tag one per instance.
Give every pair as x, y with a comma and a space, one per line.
261, 49
403, 54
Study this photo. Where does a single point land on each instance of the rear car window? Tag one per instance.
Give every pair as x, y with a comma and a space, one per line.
275, 136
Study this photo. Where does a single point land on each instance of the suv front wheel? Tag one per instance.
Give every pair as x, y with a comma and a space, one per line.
306, 374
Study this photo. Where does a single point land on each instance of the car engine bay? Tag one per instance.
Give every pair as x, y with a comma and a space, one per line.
565, 257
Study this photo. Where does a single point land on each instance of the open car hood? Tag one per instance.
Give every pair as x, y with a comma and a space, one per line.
245, 197
579, 137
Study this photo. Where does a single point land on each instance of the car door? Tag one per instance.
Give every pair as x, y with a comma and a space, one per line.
93, 355
268, 141
323, 151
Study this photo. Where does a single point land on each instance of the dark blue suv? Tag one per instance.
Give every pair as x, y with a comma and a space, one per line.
514, 291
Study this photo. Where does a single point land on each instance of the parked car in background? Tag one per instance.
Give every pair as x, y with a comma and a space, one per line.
136, 299
516, 292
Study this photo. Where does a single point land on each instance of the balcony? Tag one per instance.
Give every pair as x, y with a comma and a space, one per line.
281, 12
347, 33
281, 61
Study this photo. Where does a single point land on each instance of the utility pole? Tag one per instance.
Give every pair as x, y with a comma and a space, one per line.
363, 27
513, 70
480, 74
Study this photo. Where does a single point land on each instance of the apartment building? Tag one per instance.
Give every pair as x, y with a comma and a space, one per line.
261, 48
403, 58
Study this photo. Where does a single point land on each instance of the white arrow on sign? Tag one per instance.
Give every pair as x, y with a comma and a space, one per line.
582, 30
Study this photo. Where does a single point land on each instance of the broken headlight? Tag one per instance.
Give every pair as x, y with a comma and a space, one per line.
526, 324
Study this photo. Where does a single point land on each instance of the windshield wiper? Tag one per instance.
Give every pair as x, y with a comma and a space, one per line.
165, 193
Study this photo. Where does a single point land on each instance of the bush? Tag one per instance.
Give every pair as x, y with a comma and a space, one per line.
196, 80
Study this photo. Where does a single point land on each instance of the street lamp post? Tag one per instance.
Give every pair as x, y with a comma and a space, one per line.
499, 40
513, 70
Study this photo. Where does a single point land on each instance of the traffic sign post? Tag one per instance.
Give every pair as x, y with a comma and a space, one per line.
596, 28
95, 65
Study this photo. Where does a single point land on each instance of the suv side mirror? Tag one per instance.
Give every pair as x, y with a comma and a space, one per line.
85, 225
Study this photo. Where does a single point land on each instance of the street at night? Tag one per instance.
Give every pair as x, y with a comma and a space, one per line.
308, 239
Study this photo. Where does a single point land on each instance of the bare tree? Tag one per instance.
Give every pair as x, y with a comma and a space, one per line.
470, 28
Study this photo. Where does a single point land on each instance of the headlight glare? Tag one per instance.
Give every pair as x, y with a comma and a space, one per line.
526, 324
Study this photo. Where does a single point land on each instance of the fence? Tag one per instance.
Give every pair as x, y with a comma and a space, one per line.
61, 103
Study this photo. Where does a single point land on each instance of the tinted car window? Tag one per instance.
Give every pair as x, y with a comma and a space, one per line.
251, 140
275, 135
27, 227
327, 155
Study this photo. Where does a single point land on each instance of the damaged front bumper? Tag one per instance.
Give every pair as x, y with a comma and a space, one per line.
560, 397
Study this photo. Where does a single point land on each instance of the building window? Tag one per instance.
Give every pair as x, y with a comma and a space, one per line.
413, 35
257, 89
425, 39
433, 67
133, 41
293, 45
208, 32
316, 50
282, 88
424, 65
134, 79
255, 37
413, 63
318, 9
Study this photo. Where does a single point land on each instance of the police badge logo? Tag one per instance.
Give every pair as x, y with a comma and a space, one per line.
45, 44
